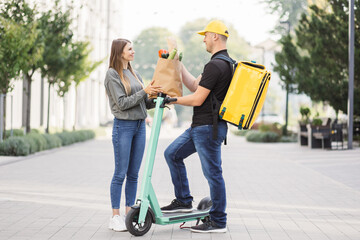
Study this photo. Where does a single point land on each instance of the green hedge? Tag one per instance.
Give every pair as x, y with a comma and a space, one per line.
16, 133
35, 142
68, 138
238, 132
265, 133
15, 146
52, 140
258, 136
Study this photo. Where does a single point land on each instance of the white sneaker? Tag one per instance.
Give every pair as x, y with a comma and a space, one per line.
117, 223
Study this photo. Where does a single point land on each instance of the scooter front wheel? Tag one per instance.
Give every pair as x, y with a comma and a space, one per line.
132, 225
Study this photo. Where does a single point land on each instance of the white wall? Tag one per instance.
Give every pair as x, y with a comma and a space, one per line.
94, 22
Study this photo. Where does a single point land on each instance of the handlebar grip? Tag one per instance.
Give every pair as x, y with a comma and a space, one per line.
167, 100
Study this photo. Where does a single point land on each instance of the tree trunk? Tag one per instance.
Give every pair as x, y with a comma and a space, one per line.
65, 112
42, 102
24, 101
3, 117
76, 106
48, 110
28, 106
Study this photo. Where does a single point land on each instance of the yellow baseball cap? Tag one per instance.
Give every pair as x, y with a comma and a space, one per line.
215, 26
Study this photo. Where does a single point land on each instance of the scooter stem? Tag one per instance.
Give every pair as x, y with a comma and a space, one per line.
147, 190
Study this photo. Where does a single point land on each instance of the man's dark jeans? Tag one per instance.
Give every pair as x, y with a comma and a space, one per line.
200, 139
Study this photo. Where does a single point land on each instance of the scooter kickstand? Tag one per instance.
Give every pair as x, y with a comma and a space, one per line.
197, 222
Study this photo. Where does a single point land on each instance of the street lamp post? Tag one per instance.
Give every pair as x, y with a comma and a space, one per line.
263, 63
351, 74
287, 89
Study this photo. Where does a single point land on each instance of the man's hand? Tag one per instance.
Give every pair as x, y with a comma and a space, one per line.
188, 79
195, 99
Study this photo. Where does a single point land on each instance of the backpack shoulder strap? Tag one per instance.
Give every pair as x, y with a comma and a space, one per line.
215, 103
232, 62
225, 58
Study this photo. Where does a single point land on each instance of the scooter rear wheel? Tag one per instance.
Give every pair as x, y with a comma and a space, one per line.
132, 225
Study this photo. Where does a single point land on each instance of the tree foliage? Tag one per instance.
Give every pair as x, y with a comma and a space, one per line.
288, 62
146, 46
55, 25
77, 67
319, 56
13, 50
32, 40
286, 10
29, 50
290, 11
195, 56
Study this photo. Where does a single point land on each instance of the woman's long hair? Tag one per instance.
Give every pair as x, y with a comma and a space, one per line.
117, 48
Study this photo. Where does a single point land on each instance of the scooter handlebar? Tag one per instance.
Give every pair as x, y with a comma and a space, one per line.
167, 100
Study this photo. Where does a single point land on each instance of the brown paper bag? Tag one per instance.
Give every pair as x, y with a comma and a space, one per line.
168, 76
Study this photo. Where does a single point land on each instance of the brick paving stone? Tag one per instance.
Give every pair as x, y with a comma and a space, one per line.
274, 191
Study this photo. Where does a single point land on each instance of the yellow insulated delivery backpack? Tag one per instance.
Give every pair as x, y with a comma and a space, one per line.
246, 94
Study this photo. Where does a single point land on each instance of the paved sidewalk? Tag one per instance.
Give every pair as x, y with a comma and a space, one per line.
275, 191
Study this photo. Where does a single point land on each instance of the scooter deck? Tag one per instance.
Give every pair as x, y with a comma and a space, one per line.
181, 216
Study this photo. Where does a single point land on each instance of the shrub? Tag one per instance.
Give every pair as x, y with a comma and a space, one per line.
274, 127
265, 127
68, 138
316, 122
238, 132
15, 146
53, 141
34, 142
271, 137
16, 133
305, 114
291, 138
37, 142
83, 135
258, 136
34, 131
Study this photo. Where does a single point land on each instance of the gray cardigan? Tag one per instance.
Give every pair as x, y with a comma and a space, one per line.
132, 107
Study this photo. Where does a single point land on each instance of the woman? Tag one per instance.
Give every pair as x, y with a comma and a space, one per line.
128, 103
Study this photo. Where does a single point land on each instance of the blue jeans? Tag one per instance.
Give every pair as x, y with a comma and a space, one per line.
128, 139
199, 139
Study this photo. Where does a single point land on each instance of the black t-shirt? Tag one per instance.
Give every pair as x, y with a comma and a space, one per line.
216, 77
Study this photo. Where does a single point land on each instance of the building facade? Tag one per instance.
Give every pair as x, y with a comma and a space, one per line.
86, 106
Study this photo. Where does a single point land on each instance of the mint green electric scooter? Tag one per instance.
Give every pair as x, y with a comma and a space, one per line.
147, 210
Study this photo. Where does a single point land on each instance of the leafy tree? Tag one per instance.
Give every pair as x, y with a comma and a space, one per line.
238, 47
11, 46
287, 63
319, 58
195, 55
77, 68
286, 10
146, 46
290, 10
57, 39
21, 13
150, 40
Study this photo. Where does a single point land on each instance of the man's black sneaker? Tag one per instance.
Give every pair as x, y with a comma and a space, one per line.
177, 206
208, 227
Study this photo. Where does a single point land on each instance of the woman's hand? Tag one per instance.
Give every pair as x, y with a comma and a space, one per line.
152, 90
